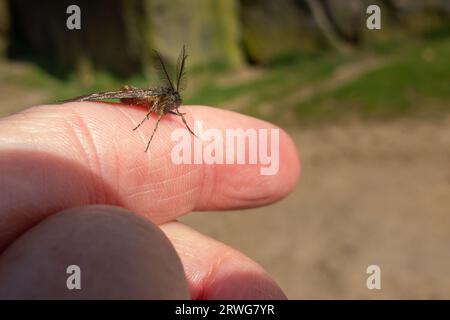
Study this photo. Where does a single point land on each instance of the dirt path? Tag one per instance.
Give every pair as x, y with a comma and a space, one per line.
369, 194
14, 97
341, 76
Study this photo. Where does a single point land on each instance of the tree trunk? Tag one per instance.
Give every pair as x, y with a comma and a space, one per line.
4, 27
326, 26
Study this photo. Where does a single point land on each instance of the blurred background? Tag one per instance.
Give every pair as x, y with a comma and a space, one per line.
368, 109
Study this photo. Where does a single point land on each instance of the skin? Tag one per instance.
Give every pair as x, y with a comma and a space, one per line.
77, 188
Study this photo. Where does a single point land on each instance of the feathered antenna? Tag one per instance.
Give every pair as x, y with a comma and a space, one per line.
181, 75
161, 67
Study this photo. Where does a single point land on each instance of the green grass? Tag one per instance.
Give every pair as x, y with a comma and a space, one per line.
414, 79
274, 82
417, 81
69, 86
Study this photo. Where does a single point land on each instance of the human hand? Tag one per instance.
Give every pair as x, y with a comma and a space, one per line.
76, 155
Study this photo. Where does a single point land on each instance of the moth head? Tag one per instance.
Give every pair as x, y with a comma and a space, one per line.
177, 99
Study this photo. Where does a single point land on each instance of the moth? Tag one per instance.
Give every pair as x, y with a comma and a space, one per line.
159, 100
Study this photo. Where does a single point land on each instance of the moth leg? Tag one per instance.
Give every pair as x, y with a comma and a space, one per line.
185, 122
146, 118
177, 114
150, 110
154, 130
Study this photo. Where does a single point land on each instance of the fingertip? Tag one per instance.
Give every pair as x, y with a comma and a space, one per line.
245, 185
291, 170
216, 271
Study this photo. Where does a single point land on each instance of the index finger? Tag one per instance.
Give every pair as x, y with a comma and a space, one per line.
60, 156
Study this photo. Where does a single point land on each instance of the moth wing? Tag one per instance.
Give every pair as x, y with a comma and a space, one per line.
119, 94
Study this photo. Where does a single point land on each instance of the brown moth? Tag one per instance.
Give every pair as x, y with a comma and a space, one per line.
159, 100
